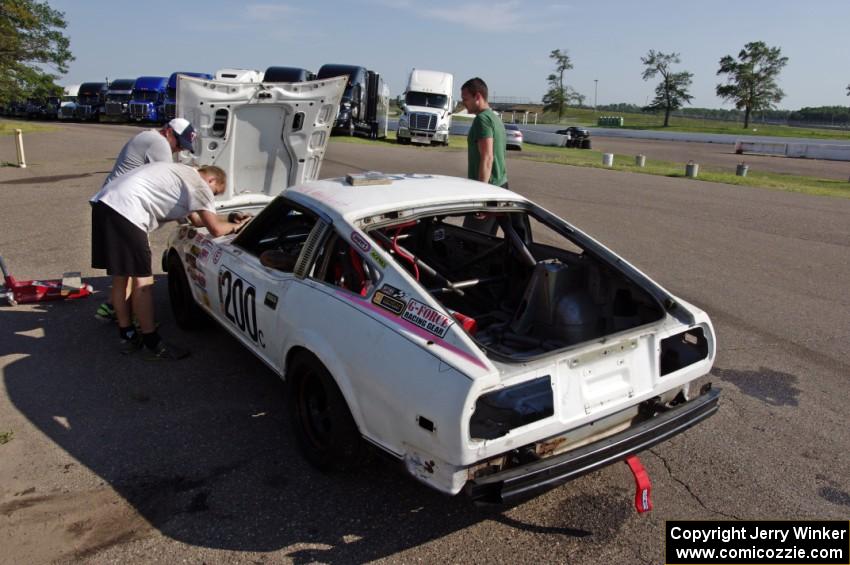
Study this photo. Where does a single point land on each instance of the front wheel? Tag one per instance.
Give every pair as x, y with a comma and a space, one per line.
186, 312
324, 428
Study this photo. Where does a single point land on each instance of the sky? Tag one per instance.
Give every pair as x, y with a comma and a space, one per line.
505, 42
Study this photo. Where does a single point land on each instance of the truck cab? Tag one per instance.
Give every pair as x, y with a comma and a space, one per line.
147, 99
117, 104
287, 74
238, 75
90, 100
171, 92
68, 105
427, 108
364, 108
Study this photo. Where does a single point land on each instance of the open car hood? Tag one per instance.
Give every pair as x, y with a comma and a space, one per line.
266, 136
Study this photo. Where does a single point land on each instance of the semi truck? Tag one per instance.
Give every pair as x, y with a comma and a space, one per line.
68, 105
90, 100
365, 105
170, 105
117, 104
238, 75
147, 99
427, 108
287, 74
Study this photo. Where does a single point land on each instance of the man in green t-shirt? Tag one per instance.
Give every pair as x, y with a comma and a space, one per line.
486, 139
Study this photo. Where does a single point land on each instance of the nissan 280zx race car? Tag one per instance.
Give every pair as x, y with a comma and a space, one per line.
487, 344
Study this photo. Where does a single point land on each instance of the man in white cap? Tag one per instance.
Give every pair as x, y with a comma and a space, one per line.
149, 146
153, 146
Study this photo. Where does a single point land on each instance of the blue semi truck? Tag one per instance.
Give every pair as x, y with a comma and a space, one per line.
148, 99
170, 105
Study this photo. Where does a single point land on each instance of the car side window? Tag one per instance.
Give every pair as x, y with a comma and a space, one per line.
341, 265
278, 234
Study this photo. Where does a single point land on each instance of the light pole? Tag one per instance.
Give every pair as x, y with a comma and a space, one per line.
595, 92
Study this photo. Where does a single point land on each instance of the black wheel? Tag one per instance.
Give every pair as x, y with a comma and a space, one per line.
186, 312
322, 423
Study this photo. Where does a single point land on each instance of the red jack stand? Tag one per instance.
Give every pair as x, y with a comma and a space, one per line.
70, 286
643, 487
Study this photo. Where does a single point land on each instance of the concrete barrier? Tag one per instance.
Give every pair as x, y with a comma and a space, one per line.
543, 138
800, 150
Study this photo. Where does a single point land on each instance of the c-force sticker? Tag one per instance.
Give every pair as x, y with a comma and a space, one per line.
427, 318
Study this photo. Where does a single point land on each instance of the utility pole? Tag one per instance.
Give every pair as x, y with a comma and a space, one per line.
595, 92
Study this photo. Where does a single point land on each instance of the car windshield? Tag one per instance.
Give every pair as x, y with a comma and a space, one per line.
511, 126
426, 99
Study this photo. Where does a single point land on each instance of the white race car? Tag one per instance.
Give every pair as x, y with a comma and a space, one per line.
487, 344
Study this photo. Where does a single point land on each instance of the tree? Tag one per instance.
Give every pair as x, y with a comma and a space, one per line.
751, 81
31, 38
558, 94
672, 92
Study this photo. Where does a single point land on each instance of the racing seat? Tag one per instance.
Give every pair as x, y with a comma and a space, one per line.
346, 269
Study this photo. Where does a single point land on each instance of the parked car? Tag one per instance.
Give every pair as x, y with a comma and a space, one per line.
513, 137
577, 137
497, 363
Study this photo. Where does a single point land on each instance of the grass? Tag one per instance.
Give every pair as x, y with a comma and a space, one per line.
590, 158
6, 437
8, 127
587, 117
776, 181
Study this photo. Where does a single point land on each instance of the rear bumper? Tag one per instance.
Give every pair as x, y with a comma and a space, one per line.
528, 479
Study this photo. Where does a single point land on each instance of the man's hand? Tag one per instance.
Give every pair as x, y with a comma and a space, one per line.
238, 217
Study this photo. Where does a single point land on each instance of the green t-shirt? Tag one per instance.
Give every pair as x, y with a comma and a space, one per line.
487, 124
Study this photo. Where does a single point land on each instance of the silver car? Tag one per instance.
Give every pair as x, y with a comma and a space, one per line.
513, 137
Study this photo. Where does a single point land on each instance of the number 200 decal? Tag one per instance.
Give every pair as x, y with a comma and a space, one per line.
238, 301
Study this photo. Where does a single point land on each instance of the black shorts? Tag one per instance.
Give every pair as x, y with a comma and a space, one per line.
118, 245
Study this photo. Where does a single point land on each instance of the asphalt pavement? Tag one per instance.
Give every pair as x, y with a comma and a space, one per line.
113, 460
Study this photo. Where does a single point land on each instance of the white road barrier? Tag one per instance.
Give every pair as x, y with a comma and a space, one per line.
805, 150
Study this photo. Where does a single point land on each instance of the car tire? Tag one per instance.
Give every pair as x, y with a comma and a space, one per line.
187, 313
321, 421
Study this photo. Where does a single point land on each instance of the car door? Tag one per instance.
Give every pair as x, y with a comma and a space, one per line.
253, 275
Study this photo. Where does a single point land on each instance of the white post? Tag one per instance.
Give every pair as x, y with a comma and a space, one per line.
19, 146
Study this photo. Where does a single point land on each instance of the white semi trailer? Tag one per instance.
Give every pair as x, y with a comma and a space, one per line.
427, 108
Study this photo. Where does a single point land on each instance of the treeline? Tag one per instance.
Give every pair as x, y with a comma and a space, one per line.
835, 115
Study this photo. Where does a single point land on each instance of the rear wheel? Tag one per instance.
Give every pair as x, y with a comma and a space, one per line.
322, 423
186, 312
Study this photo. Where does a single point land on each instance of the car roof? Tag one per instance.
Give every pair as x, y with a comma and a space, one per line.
339, 199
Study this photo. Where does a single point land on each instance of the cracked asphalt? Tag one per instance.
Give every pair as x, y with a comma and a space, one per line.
112, 460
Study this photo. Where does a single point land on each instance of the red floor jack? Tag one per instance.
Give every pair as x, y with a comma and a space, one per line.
70, 286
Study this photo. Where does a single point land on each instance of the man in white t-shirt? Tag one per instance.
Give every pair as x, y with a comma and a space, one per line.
124, 212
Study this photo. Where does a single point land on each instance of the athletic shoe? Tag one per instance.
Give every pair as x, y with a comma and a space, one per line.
165, 352
128, 346
105, 313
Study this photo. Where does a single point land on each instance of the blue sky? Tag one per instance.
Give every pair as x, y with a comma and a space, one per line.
506, 42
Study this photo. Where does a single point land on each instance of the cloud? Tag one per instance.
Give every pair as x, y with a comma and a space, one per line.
268, 12
500, 16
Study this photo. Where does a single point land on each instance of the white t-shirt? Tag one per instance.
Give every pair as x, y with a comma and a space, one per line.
149, 146
157, 193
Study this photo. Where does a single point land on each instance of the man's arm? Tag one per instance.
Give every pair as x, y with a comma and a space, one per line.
485, 164
215, 225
